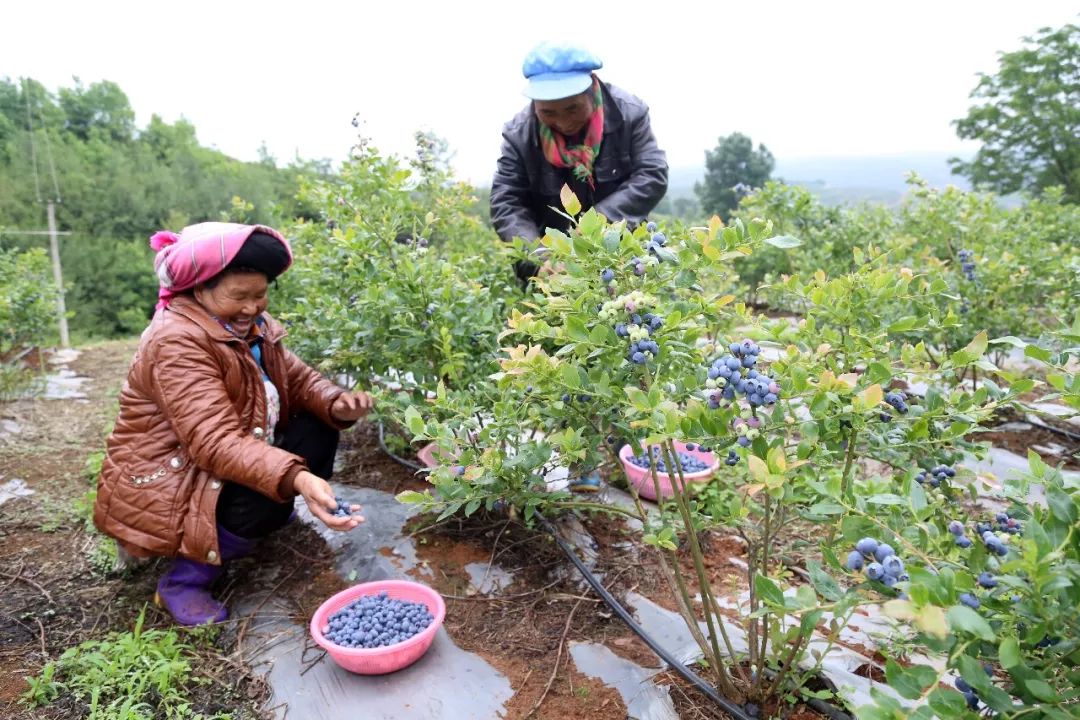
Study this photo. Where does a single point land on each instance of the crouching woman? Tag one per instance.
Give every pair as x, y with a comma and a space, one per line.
220, 426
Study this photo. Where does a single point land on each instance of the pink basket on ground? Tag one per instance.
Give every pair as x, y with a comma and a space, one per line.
380, 661
641, 478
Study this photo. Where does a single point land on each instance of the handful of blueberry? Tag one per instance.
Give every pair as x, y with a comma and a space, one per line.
343, 509
688, 462
879, 560
376, 621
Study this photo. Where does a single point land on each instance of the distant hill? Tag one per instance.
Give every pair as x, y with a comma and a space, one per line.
840, 180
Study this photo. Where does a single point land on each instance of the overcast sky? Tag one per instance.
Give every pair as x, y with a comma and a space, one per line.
806, 78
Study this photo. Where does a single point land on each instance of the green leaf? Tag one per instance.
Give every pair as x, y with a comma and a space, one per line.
768, 591
972, 671
964, 618
570, 375
784, 242
1009, 340
1042, 691
414, 421
666, 255
575, 328
1034, 351
909, 684
904, 324
1061, 505
825, 508
1009, 653
569, 200
974, 350
410, 497
823, 582
886, 499
638, 398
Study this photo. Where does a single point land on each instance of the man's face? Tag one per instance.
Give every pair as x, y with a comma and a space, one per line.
567, 116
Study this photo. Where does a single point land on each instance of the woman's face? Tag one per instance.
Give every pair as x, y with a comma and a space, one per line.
237, 299
567, 116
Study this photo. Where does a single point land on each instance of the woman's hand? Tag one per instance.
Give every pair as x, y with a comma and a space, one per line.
321, 501
351, 406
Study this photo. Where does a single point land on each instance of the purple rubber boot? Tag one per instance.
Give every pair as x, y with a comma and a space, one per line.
184, 589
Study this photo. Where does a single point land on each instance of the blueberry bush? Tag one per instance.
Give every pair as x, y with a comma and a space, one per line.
399, 288
27, 312
625, 346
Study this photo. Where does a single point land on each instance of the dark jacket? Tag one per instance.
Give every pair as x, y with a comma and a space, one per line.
631, 172
193, 413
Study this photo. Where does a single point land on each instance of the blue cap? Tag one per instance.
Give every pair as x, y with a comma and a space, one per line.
558, 70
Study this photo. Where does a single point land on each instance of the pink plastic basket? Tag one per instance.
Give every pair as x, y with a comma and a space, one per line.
641, 478
379, 661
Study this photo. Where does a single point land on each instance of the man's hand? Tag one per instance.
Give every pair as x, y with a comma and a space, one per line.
321, 501
351, 406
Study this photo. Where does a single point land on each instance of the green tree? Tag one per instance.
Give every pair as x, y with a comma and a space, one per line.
732, 169
1028, 119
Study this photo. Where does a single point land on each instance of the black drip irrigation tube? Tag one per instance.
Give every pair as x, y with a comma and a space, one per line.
1037, 422
731, 708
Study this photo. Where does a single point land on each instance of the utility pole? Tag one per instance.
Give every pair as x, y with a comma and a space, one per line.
54, 241
58, 276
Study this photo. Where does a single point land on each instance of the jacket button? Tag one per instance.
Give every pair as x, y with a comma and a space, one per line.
215, 484
175, 463
258, 432
211, 556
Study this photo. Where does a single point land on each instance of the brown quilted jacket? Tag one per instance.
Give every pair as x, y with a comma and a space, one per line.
193, 413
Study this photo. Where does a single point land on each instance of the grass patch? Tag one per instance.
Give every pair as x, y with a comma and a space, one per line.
142, 674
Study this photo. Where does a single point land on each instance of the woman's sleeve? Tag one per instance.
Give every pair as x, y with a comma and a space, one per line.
311, 391
191, 392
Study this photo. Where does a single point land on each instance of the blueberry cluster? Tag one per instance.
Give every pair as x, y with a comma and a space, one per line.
967, 264
884, 564
935, 475
898, 401
995, 542
1005, 524
657, 459
732, 458
747, 428
343, 508
734, 373
640, 327
376, 621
